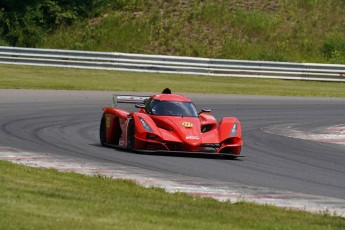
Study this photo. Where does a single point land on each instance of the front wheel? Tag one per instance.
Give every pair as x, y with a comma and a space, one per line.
102, 131
130, 134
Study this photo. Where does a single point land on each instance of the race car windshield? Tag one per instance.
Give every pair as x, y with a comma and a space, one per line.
173, 108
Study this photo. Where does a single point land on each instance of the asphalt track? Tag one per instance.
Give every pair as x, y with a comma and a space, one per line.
66, 123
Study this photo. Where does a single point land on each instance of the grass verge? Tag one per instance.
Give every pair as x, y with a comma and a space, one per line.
33, 77
276, 30
34, 198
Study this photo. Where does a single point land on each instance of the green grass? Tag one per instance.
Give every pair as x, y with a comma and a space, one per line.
31, 77
46, 199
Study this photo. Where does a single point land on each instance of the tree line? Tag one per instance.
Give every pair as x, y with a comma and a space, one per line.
25, 23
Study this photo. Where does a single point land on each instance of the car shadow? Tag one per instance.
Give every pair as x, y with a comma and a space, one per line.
212, 156
189, 155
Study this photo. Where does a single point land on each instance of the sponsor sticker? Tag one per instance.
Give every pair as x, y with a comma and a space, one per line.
192, 137
107, 121
187, 124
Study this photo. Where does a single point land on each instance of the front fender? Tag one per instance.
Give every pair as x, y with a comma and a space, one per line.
156, 134
140, 131
113, 123
225, 127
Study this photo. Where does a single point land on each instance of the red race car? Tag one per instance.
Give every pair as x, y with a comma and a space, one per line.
169, 122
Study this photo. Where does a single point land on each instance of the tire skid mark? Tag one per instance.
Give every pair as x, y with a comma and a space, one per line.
333, 134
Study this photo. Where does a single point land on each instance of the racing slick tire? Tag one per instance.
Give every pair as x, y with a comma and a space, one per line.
130, 134
102, 131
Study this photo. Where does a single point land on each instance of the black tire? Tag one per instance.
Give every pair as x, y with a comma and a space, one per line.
130, 134
102, 131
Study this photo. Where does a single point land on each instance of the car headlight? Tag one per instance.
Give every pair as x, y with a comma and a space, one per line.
234, 130
145, 125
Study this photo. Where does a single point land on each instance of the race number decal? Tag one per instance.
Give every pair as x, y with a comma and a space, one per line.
187, 124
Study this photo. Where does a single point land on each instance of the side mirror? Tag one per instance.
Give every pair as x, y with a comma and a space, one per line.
205, 111
140, 106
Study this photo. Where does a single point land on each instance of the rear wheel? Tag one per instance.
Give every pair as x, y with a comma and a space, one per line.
130, 134
102, 131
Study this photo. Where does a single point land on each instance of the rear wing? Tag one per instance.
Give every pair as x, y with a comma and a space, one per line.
128, 99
